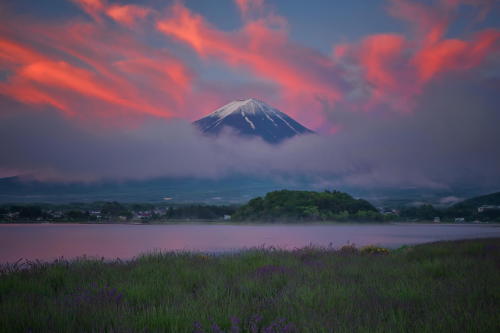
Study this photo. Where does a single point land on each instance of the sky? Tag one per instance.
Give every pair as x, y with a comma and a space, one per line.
401, 93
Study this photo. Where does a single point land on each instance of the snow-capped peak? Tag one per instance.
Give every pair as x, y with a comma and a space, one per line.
252, 117
249, 106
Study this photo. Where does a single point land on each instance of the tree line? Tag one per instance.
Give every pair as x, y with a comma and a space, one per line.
112, 211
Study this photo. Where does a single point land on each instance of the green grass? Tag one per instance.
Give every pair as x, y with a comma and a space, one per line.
440, 287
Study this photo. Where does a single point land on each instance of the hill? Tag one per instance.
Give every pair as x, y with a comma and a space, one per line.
484, 208
469, 208
488, 199
288, 205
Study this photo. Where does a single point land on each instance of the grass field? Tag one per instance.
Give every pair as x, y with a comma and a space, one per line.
440, 287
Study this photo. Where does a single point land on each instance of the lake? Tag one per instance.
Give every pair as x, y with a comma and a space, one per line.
125, 241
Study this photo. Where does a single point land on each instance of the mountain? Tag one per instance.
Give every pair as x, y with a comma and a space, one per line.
234, 189
252, 117
489, 199
237, 188
469, 209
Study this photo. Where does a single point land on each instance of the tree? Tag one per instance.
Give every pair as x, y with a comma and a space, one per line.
30, 212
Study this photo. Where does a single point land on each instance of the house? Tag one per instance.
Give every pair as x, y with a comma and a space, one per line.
12, 215
95, 213
143, 215
388, 211
160, 211
57, 214
484, 208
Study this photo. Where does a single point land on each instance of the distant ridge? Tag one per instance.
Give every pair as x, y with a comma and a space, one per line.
488, 199
252, 117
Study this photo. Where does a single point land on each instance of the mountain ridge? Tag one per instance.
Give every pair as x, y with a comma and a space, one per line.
252, 118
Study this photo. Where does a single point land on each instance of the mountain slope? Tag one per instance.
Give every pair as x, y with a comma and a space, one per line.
488, 199
252, 118
231, 189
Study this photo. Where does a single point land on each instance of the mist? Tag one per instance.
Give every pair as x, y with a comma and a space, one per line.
445, 143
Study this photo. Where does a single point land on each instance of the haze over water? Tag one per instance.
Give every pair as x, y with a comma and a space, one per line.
50, 241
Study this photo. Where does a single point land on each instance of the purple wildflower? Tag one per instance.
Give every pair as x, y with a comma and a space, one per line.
268, 270
198, 328
235, 325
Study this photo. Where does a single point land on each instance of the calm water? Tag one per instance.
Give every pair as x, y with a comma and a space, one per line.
50, 241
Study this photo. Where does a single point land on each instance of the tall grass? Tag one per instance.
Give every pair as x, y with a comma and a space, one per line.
440, 287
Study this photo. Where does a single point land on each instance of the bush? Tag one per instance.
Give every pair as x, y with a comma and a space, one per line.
372, 249
349, 249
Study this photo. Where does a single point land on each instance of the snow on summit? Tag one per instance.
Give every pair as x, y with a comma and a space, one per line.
252, 117
249, 106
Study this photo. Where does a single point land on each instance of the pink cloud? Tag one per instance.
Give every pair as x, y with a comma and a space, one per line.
124, 14
93, 68
396, 68
92, 7
127, 14
90, 70
260, 48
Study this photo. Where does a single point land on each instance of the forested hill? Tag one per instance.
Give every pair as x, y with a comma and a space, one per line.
288, 205
469, 208
489, 199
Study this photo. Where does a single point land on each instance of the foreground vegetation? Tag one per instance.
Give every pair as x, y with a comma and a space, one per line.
441, 287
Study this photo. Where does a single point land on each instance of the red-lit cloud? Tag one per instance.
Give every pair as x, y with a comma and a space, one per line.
124, 14
127, 14
396, 68
88, 69
261, 47
96, 66
436, 54
455, 54
92, 7
124, 67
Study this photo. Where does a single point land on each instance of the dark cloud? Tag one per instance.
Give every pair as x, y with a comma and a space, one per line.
451, 139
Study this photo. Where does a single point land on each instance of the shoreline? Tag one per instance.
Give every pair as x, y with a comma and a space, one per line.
216, 222
230, 252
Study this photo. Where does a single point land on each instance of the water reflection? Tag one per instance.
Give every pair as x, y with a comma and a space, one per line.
50, 241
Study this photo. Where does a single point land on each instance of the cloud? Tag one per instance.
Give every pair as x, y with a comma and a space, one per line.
90, 98
97, 69
85, 69
250, 7
263, 47
455, 54
395, 68
92, 7
387, 70
127, 15
442, 146
450, 200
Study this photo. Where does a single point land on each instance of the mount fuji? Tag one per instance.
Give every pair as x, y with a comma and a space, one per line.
252, 117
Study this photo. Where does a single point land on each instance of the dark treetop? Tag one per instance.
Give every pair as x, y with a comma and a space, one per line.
306, 205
